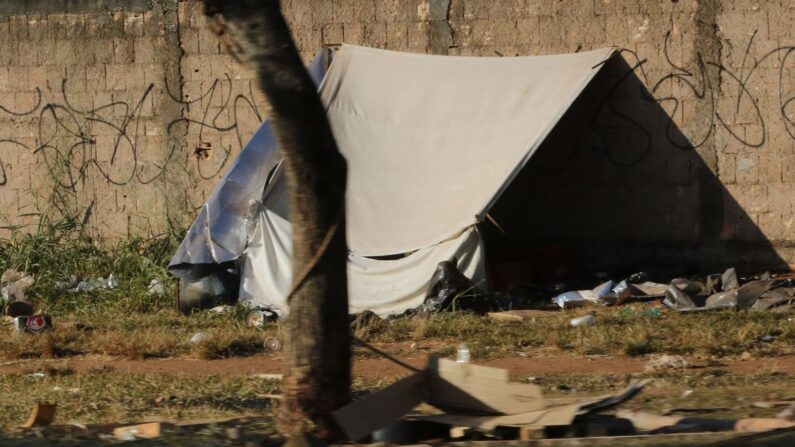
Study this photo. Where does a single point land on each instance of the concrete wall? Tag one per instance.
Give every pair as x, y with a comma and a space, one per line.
125, 113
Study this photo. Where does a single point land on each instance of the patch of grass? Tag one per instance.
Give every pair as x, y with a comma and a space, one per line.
141, 336
222, 343
106, 396
129, 322
111, 397
718, 333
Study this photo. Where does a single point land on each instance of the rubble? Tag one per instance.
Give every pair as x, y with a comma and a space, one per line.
717, 291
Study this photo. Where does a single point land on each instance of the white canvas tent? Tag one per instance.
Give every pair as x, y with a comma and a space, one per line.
431, 142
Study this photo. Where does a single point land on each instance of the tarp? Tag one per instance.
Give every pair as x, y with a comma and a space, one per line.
386, 287
225, 224
431, 142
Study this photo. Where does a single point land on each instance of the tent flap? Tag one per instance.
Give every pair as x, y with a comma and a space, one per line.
431, 141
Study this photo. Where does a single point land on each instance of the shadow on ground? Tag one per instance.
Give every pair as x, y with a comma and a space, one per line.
618, 187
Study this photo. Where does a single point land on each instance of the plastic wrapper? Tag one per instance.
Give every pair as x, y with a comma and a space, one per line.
447, 284
675, 298
569, 299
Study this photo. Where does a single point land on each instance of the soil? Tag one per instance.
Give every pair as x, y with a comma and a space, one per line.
374, 368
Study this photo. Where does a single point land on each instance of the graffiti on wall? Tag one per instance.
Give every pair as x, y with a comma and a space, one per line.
108, 141
105, 141
694, 84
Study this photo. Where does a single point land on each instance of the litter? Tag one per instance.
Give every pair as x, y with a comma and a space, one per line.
221, 309
720, 291
156, 288
461, 389
66, 285
624, 290
199, 337
675, 298
448, 285
585, 320
604, 289
19, 309
678, 424
91, 285
33, 324
602, 294
568, 300
272, 344
150, 430
42, 415
728, 280
14, 285
516, 315
650, 288
259, 317
462, 354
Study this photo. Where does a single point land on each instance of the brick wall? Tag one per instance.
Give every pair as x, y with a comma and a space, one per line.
125, 113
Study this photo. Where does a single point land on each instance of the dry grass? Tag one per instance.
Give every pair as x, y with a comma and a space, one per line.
128, 322
140, 335
717, 333
108, 396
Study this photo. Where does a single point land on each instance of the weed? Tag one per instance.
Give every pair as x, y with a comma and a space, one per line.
129, 322
221, 344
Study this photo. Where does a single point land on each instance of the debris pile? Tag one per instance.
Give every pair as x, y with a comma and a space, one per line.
472, 402
93, 284
716, 291
17, 309
467, 396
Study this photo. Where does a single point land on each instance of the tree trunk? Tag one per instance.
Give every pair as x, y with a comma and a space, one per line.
317, 349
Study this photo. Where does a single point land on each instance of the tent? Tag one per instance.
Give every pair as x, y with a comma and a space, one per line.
431, 142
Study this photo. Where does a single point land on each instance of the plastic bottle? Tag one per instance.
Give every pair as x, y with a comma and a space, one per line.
462, 354
272, 344
585, 320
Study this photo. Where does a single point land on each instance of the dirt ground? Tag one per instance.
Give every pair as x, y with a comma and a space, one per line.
379, 368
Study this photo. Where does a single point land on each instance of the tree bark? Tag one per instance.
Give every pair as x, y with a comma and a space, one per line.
317, 349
